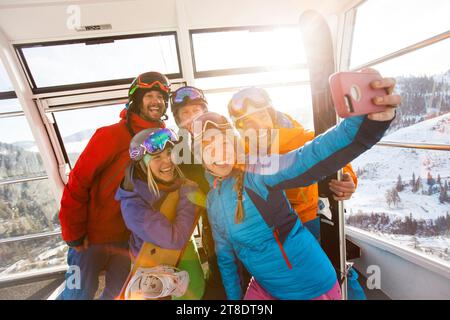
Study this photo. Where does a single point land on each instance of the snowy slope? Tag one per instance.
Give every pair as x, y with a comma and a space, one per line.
382, 166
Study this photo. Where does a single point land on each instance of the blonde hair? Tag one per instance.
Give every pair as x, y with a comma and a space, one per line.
239, 187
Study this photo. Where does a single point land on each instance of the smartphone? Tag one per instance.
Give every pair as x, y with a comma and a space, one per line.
352, 94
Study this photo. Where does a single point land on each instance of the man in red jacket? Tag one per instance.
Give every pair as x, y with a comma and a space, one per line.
91, 220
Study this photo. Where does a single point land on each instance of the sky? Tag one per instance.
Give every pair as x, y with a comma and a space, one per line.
382, 26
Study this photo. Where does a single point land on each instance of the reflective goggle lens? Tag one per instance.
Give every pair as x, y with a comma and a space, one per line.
241, 100
154, 143
187, 93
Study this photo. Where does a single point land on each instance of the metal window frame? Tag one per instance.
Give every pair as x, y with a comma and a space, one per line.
409, 49
241, 70
26, 237
85, 85
15, 180
407, 145
8, 95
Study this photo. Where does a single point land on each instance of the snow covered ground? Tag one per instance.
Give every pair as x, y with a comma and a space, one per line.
381, 167
438, 247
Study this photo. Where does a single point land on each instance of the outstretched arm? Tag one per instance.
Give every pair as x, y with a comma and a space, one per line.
326, 154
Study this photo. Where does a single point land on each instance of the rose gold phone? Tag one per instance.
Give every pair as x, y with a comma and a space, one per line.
352, 94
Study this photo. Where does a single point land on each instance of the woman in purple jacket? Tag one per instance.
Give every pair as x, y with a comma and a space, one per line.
148, 180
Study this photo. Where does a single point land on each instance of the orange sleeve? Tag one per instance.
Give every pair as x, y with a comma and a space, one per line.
348, 169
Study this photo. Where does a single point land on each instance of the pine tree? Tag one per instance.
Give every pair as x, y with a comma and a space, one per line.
430, 180
443, 196
399, 187
439, 179
413, 181
417, 185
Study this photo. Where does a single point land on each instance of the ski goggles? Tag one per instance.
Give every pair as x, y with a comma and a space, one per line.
185, 94
207, 121
240, 102
155, 143
155, 84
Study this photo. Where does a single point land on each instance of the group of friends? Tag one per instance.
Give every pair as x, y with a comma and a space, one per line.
259, 225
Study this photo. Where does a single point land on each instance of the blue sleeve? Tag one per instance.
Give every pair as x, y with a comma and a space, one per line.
152, 226
324, 155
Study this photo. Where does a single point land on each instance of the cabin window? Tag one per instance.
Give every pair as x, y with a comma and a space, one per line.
268, 57
403, 191
5, 83
19, 155
77, 126
10, 105
96, 61
414, 21
24, 257
28, 207
244, 48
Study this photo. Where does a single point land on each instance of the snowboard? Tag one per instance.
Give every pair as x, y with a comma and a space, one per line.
151, 255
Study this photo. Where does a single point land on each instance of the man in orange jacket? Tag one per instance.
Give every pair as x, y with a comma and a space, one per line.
251, 108
91, 220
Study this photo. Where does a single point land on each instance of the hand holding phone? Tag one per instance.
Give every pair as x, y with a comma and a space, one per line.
353, 94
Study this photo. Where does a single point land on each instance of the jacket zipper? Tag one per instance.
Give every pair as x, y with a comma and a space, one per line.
276, 234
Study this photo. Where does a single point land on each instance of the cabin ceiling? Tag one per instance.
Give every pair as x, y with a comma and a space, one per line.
45, 20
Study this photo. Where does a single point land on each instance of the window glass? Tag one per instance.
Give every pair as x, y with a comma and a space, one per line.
77, 126
406, 204
423, 80
411, 21
5, 83
10, 105
247, 48
19, 156
80, 63
27, 208
28, 256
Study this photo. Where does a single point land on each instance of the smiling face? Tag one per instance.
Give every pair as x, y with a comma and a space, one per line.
162, 167
218, 153
152, 106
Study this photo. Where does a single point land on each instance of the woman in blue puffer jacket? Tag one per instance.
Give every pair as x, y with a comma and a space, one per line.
251, 217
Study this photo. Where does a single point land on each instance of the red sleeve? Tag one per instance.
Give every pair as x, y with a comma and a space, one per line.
98, 154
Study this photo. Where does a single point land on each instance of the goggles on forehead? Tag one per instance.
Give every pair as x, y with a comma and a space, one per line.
198, 128
155, 143
241, 101
155, 84
185, 94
